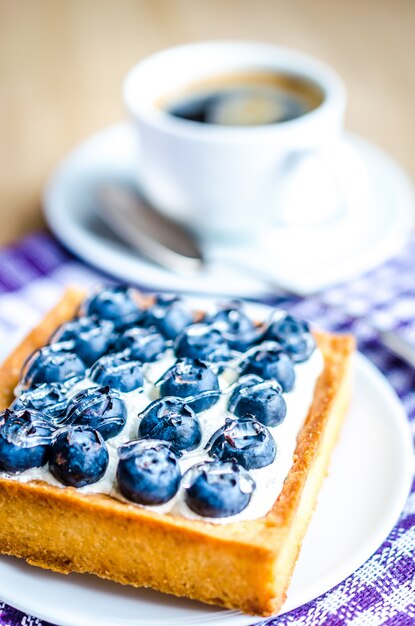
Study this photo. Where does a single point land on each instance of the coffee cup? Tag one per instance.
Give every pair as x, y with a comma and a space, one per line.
230, 180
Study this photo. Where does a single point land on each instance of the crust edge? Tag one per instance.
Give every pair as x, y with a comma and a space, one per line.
246, 565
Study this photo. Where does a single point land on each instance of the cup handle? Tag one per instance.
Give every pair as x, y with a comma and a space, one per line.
320, 185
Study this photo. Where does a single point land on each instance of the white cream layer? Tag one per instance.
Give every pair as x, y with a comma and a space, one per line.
269, 480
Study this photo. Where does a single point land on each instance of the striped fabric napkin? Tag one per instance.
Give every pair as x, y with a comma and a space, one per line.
34, 273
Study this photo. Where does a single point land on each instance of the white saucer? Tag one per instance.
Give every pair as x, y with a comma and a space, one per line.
374, 227
369, 480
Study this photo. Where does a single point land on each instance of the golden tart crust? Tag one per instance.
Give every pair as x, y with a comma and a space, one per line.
243, 565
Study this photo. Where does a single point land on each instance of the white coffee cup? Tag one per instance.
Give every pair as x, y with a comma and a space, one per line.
229, 180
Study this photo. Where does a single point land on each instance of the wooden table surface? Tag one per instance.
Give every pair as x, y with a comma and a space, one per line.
62, 63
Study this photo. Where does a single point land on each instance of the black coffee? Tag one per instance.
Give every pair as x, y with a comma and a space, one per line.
252, 99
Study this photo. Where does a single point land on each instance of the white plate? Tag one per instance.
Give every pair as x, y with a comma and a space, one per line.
379, 217
369, 480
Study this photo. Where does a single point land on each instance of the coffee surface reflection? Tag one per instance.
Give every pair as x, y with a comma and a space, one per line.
249, 99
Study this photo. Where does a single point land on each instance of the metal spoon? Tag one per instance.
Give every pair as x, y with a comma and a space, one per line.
156, 237
162, 240
169, 245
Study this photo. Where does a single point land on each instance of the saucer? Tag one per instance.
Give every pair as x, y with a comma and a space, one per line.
302, 259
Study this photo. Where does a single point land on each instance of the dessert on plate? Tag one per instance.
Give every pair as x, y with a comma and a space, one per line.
161, 444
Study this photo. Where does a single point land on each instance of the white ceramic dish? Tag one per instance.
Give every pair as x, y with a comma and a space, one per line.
369, 480
375, 224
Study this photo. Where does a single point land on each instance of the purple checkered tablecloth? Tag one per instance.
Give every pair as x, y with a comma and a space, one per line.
35, 271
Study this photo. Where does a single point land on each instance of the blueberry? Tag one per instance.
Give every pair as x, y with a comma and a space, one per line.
148, 471
236, 327
169, 315
261, 398
216, 489
52, 364
91, 337
245, 441
188, 379
118, 304
144, 344
117, 371
25, 440
294, 337
50, 399
171, 419
202, 341
78, 456
99, 408
269, 360
245, 381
